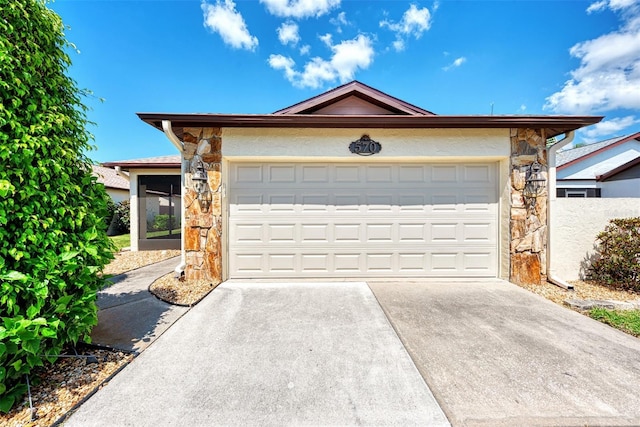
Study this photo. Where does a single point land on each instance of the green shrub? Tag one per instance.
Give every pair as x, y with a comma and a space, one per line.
617, 262
53, 239
161, 222
122, 213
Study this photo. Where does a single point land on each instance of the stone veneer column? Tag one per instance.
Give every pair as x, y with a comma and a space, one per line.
528, 226
203, 229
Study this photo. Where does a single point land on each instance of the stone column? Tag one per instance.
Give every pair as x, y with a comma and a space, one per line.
529, 222
203, 228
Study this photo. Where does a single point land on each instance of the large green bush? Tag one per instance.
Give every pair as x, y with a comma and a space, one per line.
53, 238
617, 262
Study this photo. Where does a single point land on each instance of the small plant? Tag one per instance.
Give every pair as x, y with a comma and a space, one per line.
617, 262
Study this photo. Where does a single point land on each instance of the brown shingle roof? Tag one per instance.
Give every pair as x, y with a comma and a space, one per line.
162, 162
110, 178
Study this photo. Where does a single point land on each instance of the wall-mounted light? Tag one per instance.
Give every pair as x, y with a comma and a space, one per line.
535, 183
201, 183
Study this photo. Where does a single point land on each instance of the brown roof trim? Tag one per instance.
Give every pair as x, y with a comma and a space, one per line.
619, 169
137, 165
635, 136
360, 90
554, 125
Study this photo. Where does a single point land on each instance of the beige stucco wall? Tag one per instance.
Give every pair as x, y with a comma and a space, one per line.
575, 223
397, 144
118, 195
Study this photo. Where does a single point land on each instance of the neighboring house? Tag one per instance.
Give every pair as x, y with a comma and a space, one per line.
156, 201
356, 183
608, 168
117, 185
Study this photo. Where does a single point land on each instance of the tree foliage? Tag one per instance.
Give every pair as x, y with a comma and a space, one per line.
53, 238
617, 262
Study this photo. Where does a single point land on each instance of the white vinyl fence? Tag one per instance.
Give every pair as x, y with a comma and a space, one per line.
575, 223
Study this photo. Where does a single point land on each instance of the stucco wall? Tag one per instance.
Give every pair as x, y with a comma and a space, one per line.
575, 223
118, 195
397, 144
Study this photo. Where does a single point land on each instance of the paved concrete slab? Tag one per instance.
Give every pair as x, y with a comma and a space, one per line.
129, 316
271, 354
495, 354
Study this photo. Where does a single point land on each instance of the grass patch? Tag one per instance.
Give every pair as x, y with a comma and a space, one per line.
626, 320
122, 241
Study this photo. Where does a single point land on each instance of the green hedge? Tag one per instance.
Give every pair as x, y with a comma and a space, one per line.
617, 262
53, 239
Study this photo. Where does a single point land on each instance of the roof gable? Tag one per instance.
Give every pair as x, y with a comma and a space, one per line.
354, 98
566, 158
630, 169
601, 159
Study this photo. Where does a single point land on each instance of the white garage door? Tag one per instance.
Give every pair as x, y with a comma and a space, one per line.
362, 220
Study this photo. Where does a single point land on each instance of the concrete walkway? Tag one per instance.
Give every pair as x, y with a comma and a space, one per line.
129, 316
495, 354
271, 354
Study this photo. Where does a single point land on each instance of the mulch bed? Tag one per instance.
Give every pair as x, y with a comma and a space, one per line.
58, 387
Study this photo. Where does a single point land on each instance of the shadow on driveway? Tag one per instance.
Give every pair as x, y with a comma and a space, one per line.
129, 316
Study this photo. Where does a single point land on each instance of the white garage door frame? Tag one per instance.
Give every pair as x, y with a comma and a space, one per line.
497, 267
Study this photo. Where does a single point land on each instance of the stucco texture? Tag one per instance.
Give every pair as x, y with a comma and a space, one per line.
575, 223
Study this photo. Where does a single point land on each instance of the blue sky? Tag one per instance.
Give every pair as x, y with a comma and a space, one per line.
449, 57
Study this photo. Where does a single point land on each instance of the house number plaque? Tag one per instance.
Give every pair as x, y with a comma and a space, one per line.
365, 146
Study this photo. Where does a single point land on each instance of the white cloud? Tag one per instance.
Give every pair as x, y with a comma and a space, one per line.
398, 45
300, 8
280, 62
523, 108
414, 23
304, 50
608, 77
597, 6
348, 57
223, 19
288, 33
327, 39
608, 127
340, 21
455, 64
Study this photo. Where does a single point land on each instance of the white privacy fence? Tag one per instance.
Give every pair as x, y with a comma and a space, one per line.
575, 223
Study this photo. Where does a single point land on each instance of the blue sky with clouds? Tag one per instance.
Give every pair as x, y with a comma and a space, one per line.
449, 57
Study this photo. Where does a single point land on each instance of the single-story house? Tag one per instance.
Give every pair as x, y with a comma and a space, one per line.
357, 183
116, 184
609, 168
155, 192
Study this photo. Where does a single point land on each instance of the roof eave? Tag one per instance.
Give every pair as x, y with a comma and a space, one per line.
134, 165
555, 125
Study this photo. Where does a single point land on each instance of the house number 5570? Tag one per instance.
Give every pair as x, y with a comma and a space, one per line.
365, 146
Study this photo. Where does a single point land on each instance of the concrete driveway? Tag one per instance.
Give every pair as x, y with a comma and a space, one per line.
496, 355
271, 354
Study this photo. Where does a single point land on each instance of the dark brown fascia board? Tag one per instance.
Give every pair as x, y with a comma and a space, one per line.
619, 169
635, 136
354, 88
137, 165
555, 125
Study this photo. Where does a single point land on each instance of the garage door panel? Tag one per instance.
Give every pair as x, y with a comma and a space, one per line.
308, 220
